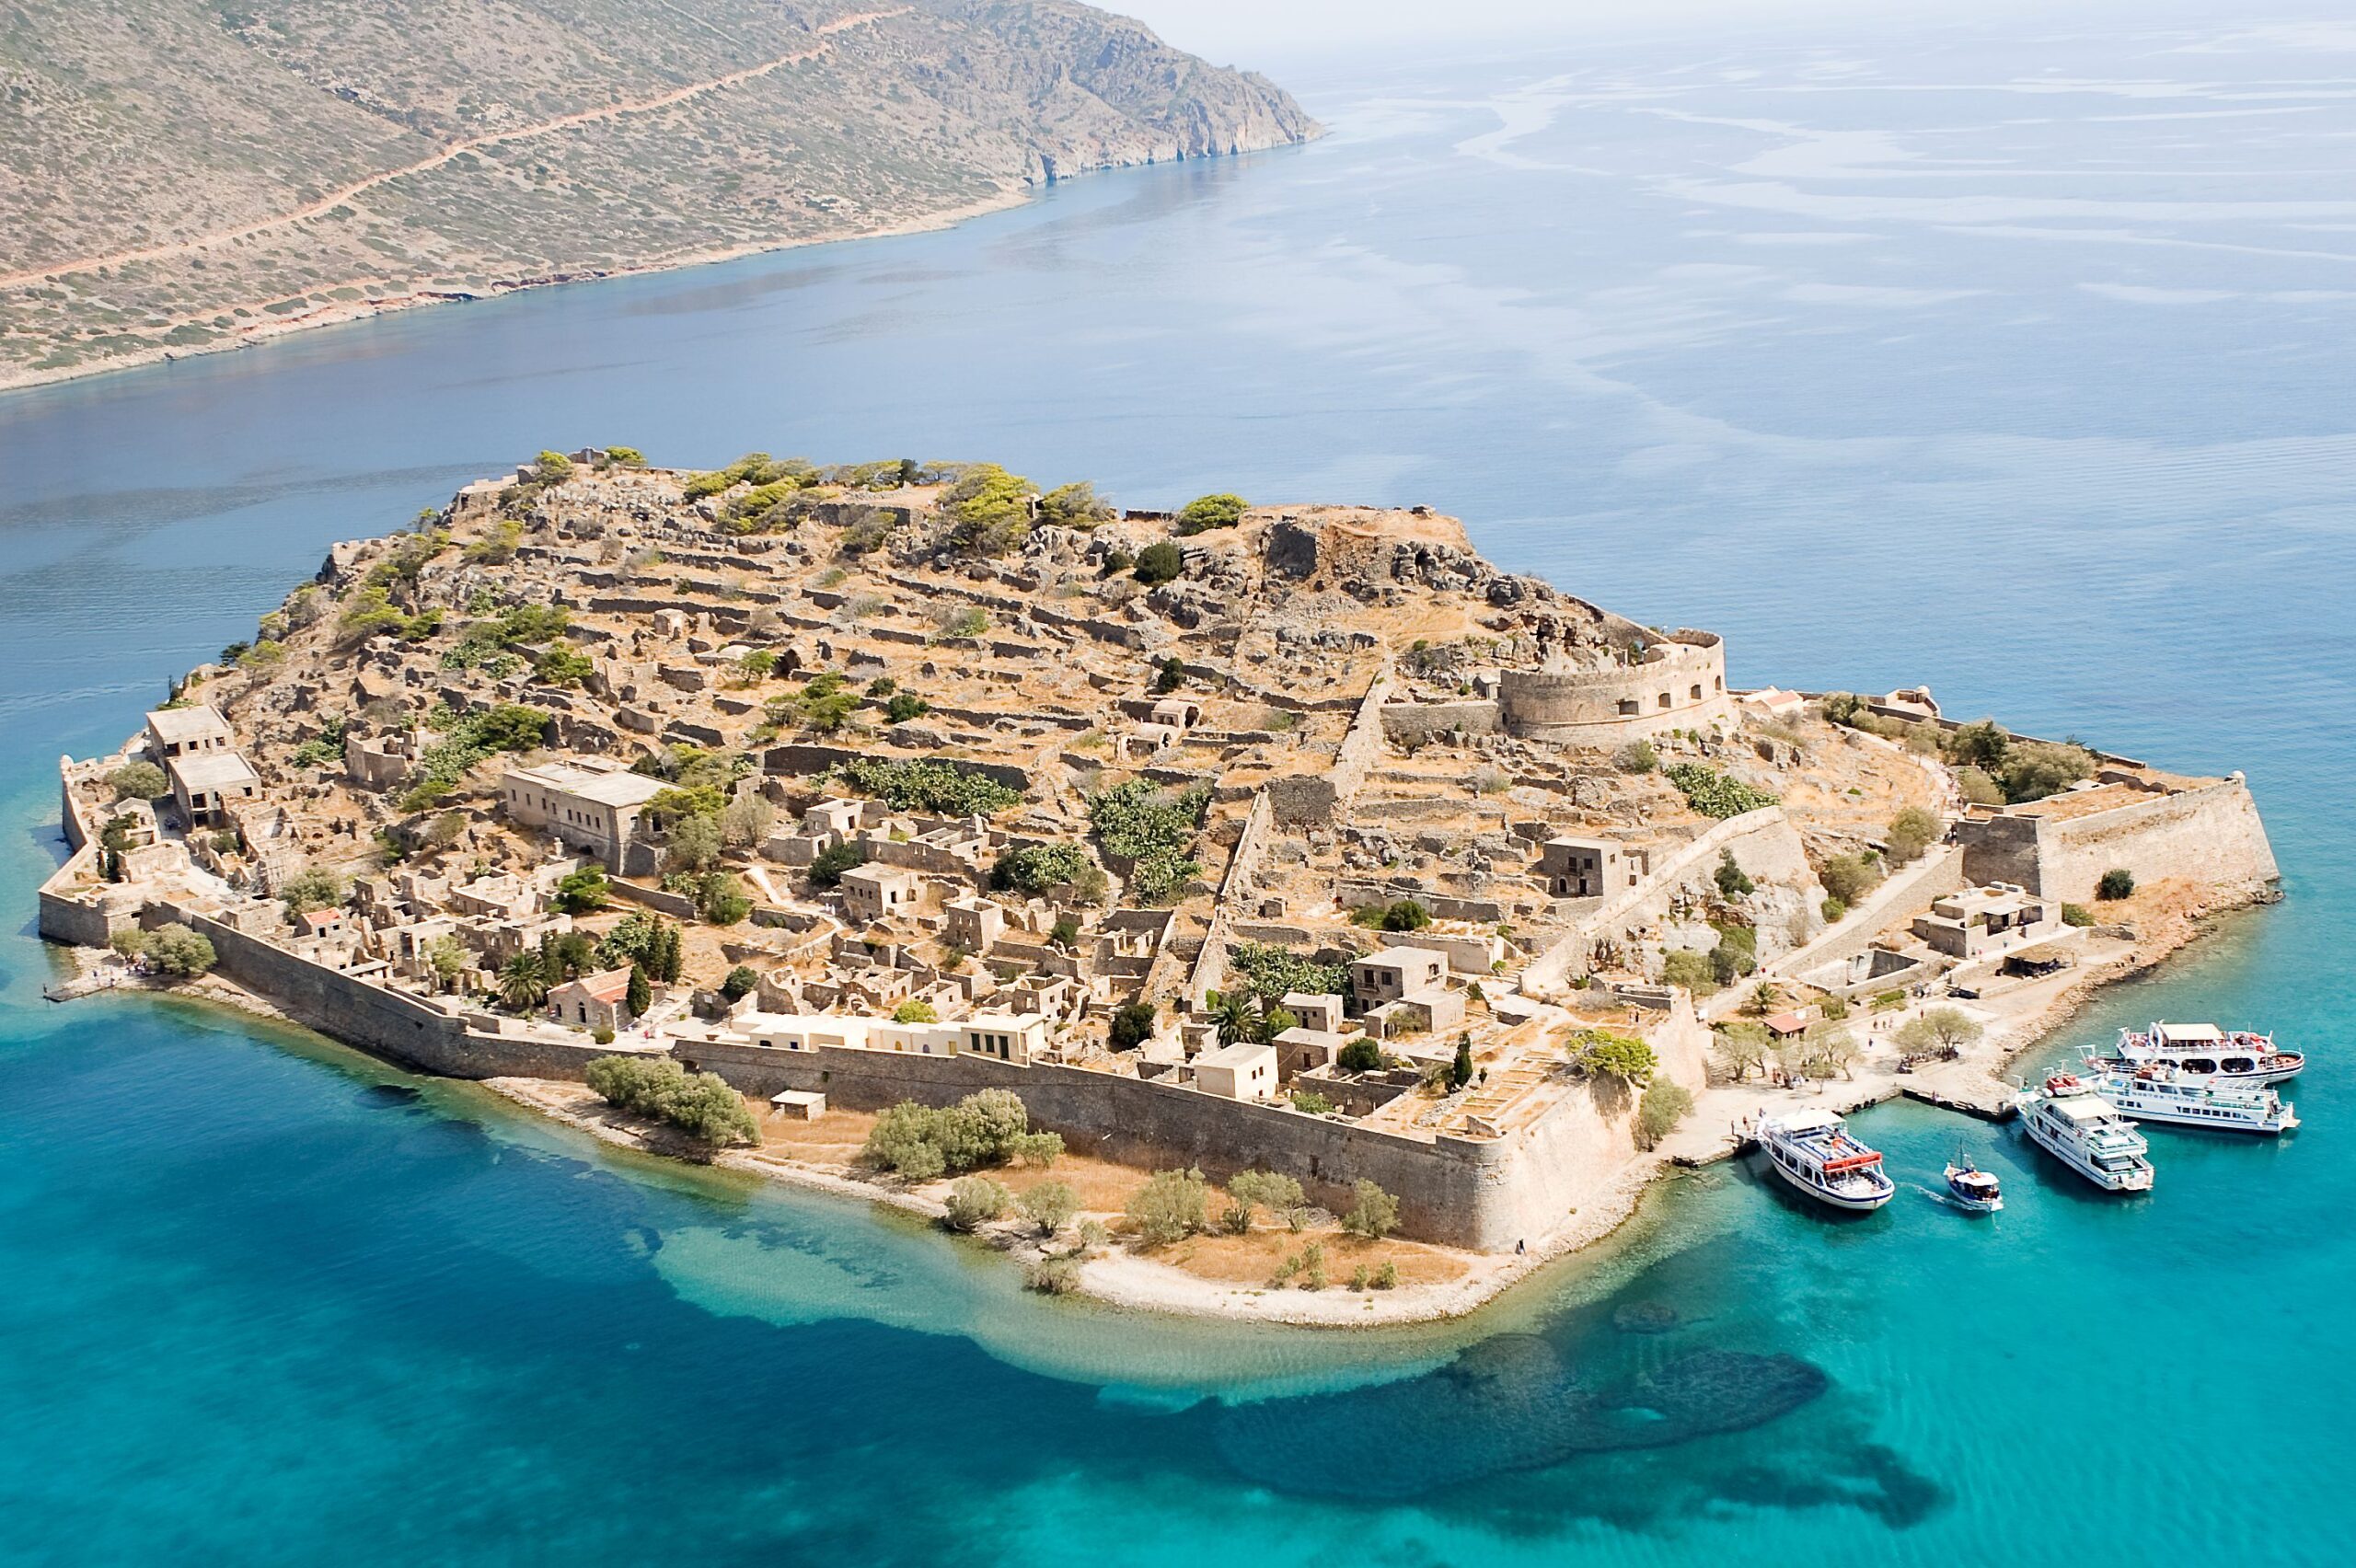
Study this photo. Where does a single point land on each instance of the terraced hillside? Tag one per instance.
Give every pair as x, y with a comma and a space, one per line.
177, 176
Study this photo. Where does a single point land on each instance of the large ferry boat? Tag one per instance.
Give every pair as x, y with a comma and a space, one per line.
2079, 1128
2164, 1093
1813, 1152
2238, 1055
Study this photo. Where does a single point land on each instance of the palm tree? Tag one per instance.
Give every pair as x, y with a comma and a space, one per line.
1763, 998
1238, 1015
522, 983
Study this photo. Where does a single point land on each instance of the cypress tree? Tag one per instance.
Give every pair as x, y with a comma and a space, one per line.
641, 992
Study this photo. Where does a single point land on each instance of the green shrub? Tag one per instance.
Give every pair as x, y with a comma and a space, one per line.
1691, 969
1636, 756
905, 705
1663, 1106
1053, 1277
918, 1141
974, 1200
1850, 877
1312, 1104
1151, 829
700, 1104
583, 892
1276, 973
1360, 1056
1160, 561
826, 868
314, 887
1601, 1053
934, 788
1732, 882
2116, 884
742, 981
139, 781
1172, 1205
1911, 831
1407, 914
1714, 794
988, 510
1386, 1278
1206, 513
1050, 1206
179, 950
1040, 868
916, 1011
1374, 1213
1132, 1026
2078, 915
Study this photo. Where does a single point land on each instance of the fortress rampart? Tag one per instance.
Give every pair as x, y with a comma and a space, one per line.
1679, 684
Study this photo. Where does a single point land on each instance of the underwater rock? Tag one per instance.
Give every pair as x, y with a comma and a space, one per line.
1645, 1317
1508, 1404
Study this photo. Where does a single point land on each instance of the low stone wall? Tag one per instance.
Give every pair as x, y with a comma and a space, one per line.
1412, 724
677, 905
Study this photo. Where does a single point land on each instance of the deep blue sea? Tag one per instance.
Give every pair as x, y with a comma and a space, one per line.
2010, 356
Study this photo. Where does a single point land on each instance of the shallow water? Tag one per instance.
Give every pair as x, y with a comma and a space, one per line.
2007, 359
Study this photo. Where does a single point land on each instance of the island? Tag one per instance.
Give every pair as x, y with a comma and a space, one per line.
1277, 911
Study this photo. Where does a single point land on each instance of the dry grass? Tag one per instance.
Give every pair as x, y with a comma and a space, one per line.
834, 1138
1103, 1187
1253, 1259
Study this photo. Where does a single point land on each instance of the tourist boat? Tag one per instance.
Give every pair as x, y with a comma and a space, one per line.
2163, 1093
1815, 1153
2236, 1056
1972, 1189
2078, 1127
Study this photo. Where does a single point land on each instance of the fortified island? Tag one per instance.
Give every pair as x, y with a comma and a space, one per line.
1253, 897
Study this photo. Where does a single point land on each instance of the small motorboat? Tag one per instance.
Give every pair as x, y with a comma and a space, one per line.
1972, 1190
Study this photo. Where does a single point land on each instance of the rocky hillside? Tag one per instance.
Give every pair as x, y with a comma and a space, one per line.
178, 176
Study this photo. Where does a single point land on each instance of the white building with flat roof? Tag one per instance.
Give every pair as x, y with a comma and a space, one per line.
208, 785
1245, 1070
187, 731
1395, 972
593, 809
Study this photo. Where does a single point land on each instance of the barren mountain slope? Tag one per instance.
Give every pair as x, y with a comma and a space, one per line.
176, 176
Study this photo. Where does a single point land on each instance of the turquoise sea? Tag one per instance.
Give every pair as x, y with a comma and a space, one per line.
2009, 356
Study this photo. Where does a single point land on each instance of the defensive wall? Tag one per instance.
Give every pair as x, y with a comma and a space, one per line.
412, 1031
2210, 833
1679, 684
1483, 1194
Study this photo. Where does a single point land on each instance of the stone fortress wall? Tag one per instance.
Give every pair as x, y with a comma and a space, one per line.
1484, 1194
1679, 684
2210, 833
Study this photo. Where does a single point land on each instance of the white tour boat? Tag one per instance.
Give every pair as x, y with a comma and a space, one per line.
2079, 1128
1815, 1153
2163, 1093
2238, 1055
